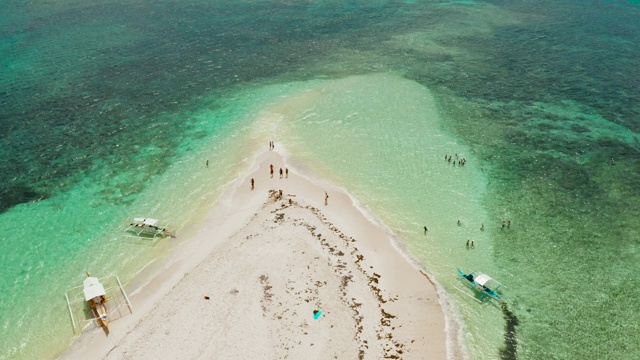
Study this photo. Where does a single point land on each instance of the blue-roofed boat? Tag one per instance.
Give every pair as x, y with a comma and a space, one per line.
479, 286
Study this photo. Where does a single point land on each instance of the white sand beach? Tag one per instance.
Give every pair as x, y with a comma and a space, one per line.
247, 285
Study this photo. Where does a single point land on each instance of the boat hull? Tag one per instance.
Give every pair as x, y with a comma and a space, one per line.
477, 283
100, 311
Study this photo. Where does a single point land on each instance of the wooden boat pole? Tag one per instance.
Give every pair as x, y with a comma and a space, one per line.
70, 312
124, 293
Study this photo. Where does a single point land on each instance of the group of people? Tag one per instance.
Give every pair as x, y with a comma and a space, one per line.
286, 171
283, 173
460, 161
277, 195
470, 243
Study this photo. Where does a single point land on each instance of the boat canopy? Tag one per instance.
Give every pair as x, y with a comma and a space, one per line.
92, 288
482, 279
150, 222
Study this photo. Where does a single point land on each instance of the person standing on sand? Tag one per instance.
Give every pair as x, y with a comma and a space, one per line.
286, 171
280, 173
326, 198
271, 169
252, 184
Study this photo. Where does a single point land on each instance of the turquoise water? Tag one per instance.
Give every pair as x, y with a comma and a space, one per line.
109, 110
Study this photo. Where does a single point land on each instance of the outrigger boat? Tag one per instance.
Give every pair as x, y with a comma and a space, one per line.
106, 299
482, 285
95, 295
145, 227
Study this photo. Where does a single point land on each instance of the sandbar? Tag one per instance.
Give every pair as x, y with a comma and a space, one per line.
297, 276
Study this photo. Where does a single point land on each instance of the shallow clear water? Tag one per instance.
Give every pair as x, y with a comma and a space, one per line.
109, 110
380, 137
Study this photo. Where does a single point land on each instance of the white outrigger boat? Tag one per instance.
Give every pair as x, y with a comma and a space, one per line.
95, 295
145, 227
105, 304
483, 287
